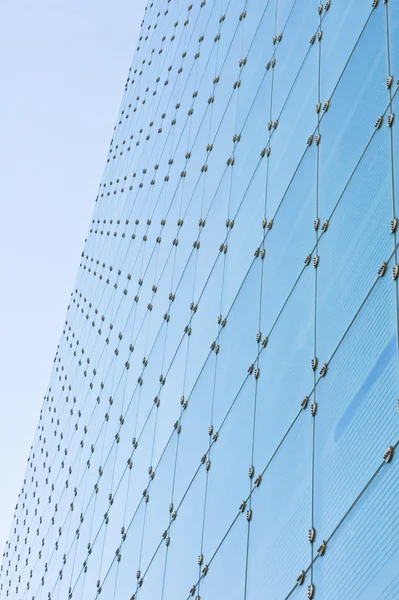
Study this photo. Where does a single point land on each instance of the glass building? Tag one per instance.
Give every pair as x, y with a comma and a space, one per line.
222, 415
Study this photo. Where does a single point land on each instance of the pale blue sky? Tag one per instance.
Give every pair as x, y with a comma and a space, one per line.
63, 65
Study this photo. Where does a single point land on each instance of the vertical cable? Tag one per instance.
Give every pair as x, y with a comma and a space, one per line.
317, 236
266, 187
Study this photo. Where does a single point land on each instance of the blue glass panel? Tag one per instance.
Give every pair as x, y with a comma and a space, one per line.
282, 515
359, 226
130, 555
237, 341
228, 482
297, 121
194, 439
393, 21
297, 24
153, 577
361, 558
356, 103
160, 491
286, 375
290, 240
226, 573
357, 416
341, 26
182, 570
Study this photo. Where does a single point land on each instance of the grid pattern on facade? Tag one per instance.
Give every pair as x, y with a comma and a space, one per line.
222, 415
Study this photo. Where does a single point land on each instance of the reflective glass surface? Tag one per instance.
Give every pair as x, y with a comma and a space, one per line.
222, 417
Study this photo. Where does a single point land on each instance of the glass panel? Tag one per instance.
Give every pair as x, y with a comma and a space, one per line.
393, 20
357, 416
355, 244
296, 117
286, 376
227, 569
298, 23
237, 341
342, 26
182, 570
348, 124
289, 241
228, 483
364, 549
282, 515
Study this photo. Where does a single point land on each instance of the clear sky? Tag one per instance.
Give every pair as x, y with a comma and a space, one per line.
63, 65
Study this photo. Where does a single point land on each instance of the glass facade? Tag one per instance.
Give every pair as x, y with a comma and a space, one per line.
222, 416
